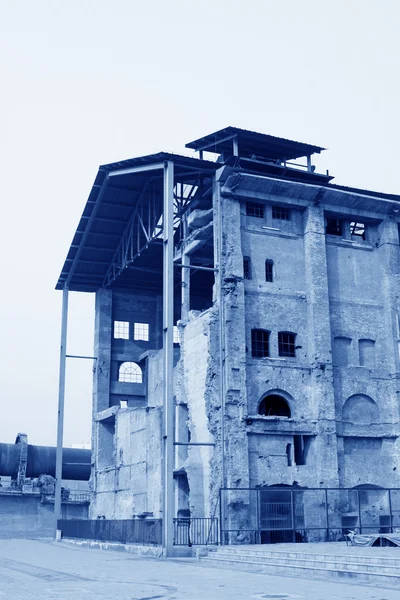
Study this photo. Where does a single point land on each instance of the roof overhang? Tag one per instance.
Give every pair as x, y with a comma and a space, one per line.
253, 144
114, 197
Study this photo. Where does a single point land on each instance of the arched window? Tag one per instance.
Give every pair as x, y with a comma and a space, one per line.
130, 372
274, 406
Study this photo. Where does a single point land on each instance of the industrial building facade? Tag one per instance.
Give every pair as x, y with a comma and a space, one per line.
247, 331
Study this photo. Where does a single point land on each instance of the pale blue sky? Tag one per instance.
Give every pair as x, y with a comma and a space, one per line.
86, 82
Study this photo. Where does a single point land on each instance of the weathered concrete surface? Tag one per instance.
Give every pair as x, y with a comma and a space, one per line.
26, 516
46, 570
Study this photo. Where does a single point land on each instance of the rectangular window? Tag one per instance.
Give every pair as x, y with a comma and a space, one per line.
121, 330
141, 332
286, 344
246, 267
334, 227
259, 343
281, 212
357, 230
301, 448
269, 270
255, 209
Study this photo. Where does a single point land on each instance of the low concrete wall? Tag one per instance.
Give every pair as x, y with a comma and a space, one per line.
25, 516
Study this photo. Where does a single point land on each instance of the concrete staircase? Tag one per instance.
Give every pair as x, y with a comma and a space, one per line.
338, 562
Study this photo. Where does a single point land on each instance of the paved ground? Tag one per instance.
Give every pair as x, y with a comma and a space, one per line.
42, 569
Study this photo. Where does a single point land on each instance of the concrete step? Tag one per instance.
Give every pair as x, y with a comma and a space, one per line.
338, 563
380, 559
292, 570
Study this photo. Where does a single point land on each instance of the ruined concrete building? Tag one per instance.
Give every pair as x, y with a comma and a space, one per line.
247, 329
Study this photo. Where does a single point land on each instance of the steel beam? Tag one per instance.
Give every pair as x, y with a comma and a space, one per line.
85, 233
61, 399
136, 169
168, 353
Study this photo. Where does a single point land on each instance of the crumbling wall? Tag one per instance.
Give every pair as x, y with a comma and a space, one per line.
194, 386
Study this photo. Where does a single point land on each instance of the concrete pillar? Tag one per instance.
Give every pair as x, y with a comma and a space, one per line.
322, 398
389, 261
101, 376
102, 350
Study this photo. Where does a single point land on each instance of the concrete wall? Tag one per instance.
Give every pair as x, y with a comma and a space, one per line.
26, 516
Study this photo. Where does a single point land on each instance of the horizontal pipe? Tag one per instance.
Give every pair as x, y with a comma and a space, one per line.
42, 460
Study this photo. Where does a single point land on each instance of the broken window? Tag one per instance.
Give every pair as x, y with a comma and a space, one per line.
357, 230
141, 331
176, 336
286, 344
301, 447
259, 343
334, 227
255, 209
274, 406
281, 212
366, 349
246, 267
121, 330
130, 372
269, 270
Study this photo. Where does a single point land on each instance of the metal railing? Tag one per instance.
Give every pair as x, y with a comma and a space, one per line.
285, 514
196, 531
126, 531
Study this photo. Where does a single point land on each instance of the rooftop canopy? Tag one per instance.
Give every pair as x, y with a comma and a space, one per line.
126, 201
252, 144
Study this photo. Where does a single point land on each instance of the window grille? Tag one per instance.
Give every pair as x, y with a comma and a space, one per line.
141, 331
259, 343
121, 330
281, 213
130, 372
255, 209
286, 344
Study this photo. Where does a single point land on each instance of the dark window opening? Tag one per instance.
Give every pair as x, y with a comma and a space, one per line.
286, 344
269, 270
301, 448
259, 343
334, 227
255, 209
246, 267
357, 230
289, 454
281, 213
274, 406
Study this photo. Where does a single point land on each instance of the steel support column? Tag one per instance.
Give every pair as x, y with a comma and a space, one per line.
218, 232
168, 355
61, 398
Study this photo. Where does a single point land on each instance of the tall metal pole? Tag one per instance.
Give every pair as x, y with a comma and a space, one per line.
221, 314
61, 398
168, 356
